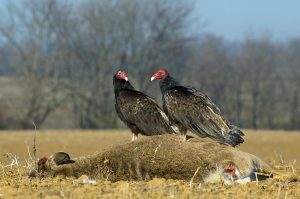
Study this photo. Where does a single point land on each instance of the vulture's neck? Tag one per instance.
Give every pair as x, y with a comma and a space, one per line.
120, 85
168, 83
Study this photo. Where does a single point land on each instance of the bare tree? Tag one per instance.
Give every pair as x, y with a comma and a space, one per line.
61, 56
36, 30
135, 35
293, 73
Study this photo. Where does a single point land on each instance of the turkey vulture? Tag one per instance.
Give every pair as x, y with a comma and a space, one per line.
192, 110
139, 111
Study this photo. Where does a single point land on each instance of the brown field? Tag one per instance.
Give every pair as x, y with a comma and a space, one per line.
276, 147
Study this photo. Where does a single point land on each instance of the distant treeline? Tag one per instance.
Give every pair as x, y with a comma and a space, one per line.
61, 57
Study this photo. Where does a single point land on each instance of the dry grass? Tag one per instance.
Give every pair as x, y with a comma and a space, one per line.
281, 148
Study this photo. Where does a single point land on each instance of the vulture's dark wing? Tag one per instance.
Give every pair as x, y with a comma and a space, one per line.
201, 97
197, 113
142, 111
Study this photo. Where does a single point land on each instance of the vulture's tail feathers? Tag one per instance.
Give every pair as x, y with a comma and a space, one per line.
234, 137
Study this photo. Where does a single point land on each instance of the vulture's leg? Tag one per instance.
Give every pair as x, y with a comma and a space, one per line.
183, 133
134, 137
182, 137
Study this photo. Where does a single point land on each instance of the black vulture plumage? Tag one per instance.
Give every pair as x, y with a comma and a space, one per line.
192, 110
138, 111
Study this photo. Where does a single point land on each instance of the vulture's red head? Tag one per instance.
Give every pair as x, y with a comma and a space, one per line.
121, 75
160, 74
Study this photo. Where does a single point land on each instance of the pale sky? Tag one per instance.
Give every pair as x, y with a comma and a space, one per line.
232, 19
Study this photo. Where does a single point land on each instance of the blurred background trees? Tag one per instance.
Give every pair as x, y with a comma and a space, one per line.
58, 59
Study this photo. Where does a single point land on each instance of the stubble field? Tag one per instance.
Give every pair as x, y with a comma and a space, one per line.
276, 147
